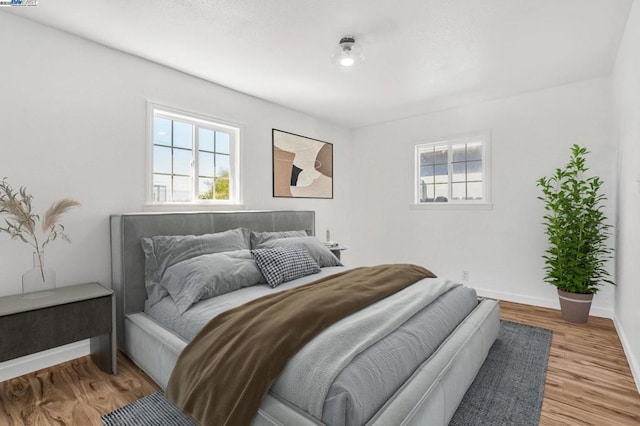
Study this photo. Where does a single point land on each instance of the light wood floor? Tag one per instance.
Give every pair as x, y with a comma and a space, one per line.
588, 381
588, 378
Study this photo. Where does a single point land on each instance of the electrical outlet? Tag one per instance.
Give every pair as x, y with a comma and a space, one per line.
465, 275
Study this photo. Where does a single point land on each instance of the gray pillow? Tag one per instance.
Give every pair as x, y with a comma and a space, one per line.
320, 253
210, 275
163, 251
282, 264
257, 238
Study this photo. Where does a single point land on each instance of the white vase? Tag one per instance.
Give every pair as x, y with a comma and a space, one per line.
39, 281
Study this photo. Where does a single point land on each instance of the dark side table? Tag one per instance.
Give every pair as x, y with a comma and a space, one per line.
39, 321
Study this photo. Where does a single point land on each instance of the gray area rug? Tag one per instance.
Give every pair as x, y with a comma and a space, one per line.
152, 410
508, 389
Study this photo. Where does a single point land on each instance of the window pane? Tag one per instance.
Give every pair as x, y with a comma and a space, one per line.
222, 165
474, 191
161, 159
431, 192
442, 173
458, 191
426, 157
459, 172
182, 135
222, 188
427, 172
182, 162
425, 192
222, 143
206, 164
161, 131
161, 187
441, 193
205, 188
441, 155
205, 140
458, 152
181, 188
474, 151
474, 170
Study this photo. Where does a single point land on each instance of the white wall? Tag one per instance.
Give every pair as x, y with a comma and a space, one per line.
626, 95
73, 122
501, 248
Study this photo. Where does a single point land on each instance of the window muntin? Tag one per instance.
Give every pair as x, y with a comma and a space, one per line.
453, 171
193, 160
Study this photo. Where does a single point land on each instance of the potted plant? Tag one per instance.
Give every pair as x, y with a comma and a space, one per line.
577, 231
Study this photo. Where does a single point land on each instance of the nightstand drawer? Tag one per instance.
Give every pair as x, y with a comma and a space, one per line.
34, 331
39, 321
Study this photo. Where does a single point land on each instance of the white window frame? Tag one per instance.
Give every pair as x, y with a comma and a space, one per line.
234, 131
485, 203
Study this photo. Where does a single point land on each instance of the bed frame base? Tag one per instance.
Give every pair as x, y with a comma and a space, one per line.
430, 396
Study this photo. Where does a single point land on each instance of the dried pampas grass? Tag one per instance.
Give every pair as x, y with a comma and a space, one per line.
20, 221
56, 210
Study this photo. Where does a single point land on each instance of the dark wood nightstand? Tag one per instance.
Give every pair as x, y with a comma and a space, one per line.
36, 322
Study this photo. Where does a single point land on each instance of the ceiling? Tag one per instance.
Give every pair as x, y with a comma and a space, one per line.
420, 55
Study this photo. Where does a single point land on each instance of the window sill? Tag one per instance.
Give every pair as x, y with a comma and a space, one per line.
181, 207
451, 206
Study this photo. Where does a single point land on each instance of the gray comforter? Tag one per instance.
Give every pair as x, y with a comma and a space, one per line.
365, 376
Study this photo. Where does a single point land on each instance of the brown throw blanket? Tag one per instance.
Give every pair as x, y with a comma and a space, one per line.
222, 376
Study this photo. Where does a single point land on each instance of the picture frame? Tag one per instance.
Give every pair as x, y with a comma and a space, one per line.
302, 166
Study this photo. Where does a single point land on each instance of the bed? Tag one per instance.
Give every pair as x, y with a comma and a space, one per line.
429, 393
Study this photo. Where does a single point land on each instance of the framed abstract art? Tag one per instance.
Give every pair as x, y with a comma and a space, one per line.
302, 167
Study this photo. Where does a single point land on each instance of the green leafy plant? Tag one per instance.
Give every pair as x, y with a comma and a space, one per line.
219, 190
21, 223
576, 228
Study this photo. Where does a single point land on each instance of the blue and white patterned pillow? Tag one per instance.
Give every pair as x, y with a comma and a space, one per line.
281, 264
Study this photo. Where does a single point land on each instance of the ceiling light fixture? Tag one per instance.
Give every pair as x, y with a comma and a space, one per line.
348, 53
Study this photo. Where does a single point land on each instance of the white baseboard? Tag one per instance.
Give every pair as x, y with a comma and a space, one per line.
538, 301
634, 365
38, 361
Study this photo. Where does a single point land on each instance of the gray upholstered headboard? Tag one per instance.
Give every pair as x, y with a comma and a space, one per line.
127, 257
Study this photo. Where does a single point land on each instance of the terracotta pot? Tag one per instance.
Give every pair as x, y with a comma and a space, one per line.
575, 307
